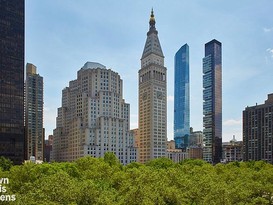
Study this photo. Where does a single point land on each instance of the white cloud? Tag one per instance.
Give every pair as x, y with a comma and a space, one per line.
232, 122
266, 30
170, 98
270, 51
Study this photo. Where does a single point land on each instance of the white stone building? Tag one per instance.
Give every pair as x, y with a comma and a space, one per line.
94, 117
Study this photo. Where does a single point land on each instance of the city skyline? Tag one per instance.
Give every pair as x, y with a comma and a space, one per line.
62, 35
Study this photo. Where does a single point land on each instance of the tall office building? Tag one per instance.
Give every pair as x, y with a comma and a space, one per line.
258, 131
94, 117
12, 29
181, 98
34, 103
152, 98
212, 105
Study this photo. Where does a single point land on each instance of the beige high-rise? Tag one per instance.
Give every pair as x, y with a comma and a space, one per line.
94, 117
152, 98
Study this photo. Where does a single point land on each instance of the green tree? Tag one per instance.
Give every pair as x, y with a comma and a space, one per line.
160, 163
133, 165
103, 181
5, 163
111, 159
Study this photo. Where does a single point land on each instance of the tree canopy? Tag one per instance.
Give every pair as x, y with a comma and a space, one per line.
5, 163
91, 180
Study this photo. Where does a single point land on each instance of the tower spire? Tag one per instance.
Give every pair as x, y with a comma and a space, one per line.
152, 44
152, 20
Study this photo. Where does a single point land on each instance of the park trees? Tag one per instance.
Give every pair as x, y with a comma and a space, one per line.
105, 181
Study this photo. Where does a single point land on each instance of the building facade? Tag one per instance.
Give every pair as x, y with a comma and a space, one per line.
94, 117
176, 155
195, 152
232, 151
48, 148
152, 98
258, 131
196, 138
12, 35
195, 148
212, 102
135, 136
170, 144
34, 104
182, 98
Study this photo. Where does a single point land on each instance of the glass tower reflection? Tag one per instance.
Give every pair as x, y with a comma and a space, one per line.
181, 98
212, 102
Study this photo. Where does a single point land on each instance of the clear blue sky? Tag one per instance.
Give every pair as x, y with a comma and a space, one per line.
61, 35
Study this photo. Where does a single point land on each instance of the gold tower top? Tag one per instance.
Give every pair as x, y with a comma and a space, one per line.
152, 19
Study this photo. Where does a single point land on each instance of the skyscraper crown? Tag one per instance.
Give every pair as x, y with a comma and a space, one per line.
152, 44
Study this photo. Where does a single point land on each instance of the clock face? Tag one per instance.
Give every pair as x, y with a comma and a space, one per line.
159, 95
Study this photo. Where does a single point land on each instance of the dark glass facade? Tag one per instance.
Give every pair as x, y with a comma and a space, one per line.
181, 98
212, 102
12, 79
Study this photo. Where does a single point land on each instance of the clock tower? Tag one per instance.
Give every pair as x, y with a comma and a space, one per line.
152, 98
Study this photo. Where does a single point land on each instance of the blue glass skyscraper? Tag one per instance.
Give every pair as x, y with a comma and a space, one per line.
181, 98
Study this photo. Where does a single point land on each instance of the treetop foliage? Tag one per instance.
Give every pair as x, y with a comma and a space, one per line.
105, 181
5, 163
